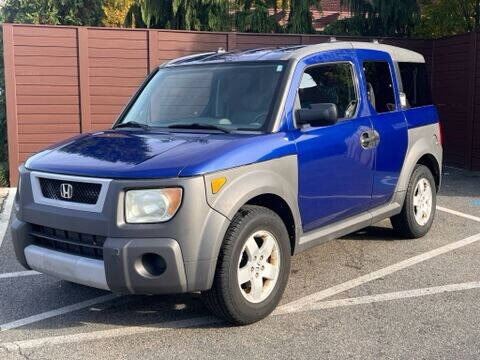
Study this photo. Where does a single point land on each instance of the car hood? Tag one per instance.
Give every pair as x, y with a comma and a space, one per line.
150, 154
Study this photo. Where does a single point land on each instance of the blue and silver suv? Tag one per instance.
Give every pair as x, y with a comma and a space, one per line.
224, 165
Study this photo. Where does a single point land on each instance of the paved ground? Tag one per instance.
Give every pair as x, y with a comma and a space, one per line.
368, 295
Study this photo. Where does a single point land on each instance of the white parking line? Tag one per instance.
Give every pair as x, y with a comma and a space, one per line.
458, 213
394, 295
201, 321
106, 334
307, 301
56, 312
18, 274
5, 215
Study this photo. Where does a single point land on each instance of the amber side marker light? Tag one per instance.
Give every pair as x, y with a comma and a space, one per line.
217, 184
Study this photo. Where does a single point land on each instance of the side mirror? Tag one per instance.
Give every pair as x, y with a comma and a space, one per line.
318, 115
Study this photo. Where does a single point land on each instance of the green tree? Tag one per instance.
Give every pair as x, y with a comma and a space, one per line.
30, 12
54, 12
379, 18
207, 15
447, 17
253, 16
300, 20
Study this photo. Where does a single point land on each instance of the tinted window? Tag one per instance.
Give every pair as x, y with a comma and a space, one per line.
332, 83
415, 84
379, 86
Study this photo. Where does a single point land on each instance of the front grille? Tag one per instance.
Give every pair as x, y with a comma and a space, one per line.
68, 241
84, 193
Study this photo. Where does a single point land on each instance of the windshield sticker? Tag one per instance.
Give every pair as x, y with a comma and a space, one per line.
279, 68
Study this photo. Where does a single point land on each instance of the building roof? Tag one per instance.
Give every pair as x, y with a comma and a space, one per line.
295, 52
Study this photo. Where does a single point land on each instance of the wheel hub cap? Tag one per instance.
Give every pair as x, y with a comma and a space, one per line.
422, 201
258, 266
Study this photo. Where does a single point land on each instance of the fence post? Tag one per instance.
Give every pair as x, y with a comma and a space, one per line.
152, 49
472, 74
84, 80
11, 102
231, 41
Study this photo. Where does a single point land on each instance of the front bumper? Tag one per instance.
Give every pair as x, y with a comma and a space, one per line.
173, 257
122, 270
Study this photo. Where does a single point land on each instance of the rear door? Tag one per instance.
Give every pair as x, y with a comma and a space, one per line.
388, 121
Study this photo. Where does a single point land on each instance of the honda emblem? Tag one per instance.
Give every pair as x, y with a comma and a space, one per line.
66, 191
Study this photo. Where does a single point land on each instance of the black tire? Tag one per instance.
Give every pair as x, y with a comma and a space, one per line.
405, 223
225, 298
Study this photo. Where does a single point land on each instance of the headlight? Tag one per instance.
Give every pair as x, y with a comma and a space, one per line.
152, 205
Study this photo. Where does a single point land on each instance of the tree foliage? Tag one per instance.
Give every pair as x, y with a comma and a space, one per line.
223, 15
379, 18
300, 20
254, 16
447, 17
209, 15
54, 12
115, 12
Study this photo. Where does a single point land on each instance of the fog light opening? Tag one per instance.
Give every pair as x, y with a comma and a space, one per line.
151, 265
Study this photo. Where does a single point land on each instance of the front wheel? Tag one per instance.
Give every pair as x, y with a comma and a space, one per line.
418, 210
253, 267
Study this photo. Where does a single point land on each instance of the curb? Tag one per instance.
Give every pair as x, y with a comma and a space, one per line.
5, 215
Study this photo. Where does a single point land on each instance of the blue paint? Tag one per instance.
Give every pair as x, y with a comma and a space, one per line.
337, 178
393, 131
150, 155
476, 202
335, 173
421, 116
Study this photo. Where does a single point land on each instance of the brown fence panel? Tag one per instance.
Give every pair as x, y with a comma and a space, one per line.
452, 67
44, 98
476, 111
117, 64
61, 81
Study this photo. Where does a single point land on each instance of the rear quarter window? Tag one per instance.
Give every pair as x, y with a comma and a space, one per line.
416, 84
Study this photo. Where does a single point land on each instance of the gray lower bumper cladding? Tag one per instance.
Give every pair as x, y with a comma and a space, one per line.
81, 270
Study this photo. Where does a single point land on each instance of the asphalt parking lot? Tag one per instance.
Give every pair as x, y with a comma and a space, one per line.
369, 295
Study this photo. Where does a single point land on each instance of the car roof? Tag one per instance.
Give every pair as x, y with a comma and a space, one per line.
296, 52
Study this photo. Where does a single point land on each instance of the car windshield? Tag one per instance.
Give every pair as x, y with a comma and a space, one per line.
225, 97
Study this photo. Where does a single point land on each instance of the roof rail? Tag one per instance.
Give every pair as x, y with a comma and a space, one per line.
189, 57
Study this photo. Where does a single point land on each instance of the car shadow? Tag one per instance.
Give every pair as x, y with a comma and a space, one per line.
149, 311
374, 233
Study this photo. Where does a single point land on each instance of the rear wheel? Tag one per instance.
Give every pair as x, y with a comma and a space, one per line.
253, 267
418, 211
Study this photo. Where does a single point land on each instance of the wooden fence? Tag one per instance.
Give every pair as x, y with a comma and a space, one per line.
62, 81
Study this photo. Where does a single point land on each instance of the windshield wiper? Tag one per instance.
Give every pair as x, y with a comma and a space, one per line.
200, 127
132, 124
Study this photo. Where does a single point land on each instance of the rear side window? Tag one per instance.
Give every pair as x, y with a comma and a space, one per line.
329, 83
379, 86
416, 85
